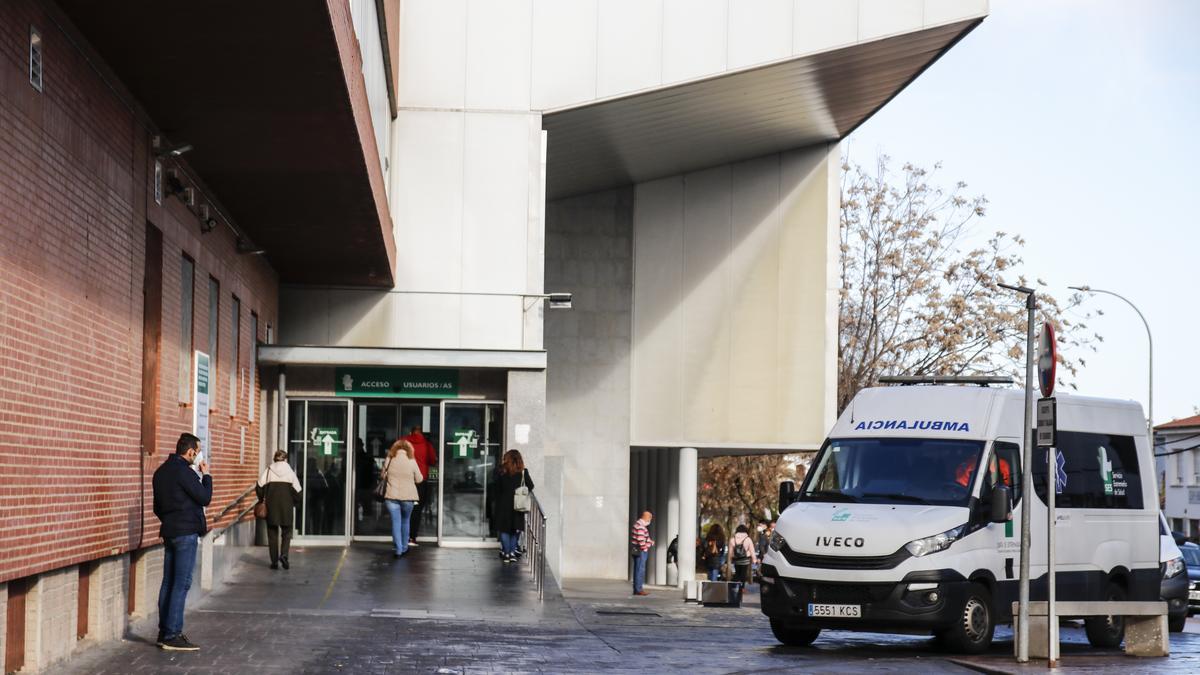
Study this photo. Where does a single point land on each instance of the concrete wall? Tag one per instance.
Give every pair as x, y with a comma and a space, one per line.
734, 304
51, 612
108, 587
589, 252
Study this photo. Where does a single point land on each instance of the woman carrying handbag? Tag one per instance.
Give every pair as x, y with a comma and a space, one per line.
398, 484
278, 493
513, 488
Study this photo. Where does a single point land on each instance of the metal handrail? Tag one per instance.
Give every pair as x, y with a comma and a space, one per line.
536, 534
218, 533
235, 502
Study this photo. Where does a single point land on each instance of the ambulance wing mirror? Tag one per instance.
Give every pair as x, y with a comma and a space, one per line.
1001, 504
787, 494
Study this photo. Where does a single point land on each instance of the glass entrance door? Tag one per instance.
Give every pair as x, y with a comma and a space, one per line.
318, 438
472, 439
377, 426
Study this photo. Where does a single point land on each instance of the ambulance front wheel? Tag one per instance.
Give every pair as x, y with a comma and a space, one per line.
972, 632
792, 635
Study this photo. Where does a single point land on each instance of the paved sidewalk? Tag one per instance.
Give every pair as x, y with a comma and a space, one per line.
358, 610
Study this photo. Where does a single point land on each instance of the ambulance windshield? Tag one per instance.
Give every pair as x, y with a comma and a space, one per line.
894, 471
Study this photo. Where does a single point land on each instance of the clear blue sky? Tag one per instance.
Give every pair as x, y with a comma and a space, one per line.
1080, 121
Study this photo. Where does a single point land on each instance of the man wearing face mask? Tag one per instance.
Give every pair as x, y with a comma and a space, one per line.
179, 501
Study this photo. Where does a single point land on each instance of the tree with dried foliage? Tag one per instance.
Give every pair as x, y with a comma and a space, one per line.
919, 293
742, 488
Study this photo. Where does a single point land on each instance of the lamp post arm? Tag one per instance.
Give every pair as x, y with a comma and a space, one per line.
1150, 342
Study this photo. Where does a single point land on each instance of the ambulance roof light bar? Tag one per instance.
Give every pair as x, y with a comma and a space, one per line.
981, 380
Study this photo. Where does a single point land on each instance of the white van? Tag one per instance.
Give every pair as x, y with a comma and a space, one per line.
897, 529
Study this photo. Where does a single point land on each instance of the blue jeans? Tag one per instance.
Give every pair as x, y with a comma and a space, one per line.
508, 542
179, 558
639, 570
400, 512
714, 574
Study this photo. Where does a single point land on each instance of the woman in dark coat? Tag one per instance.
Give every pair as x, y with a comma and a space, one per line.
509, 521
279, 487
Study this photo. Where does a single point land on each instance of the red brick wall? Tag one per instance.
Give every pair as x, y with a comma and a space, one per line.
74, 200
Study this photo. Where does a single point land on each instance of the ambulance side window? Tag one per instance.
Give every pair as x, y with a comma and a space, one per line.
1004, 467
1098, 471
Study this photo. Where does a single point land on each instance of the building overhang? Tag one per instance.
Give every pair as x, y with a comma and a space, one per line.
291, 355
789, 104
271, 97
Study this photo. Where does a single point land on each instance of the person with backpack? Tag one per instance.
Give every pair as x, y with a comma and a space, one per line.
714, 551
744, 554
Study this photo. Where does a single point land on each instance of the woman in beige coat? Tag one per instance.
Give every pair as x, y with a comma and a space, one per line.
402, 474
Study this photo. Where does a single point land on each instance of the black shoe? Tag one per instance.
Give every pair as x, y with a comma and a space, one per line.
161, 636
179, 643
284, 561
274, 565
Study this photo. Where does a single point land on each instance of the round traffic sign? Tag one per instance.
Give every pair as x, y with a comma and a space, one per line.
1047, 359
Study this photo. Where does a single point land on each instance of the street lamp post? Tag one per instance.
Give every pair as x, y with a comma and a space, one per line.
1026, 477
1150, 342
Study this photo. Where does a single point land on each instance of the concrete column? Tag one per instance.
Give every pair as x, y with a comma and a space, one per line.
662, 524
688, 468
672, 514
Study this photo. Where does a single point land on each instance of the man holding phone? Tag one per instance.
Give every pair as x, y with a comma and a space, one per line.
179, 501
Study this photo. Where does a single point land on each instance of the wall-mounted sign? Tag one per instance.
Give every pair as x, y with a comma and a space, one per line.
201, 366
366, 382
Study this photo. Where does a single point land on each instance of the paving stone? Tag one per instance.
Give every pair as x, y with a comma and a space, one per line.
461, 611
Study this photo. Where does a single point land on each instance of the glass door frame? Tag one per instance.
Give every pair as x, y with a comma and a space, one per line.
464, 542
335, 539
352, 522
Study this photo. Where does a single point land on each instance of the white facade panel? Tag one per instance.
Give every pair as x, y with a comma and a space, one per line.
946, 11
366, 27
433, 54
629, 49
495, 203
754, 278
657, 320
879, 18
427, 200
694, 38
738, 345
491, 322
564, 52
499, 50
759, 31
821, 25
706, 298
424, 320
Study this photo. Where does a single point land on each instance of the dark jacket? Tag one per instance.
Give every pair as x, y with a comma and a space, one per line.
180, 498
508, 520
282, 500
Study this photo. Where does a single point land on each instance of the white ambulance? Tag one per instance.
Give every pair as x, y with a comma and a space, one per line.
909, 518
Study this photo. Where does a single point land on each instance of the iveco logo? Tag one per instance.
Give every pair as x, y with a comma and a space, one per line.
843, 542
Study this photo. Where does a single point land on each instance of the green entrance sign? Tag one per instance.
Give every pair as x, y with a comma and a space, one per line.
325, 439
396, 382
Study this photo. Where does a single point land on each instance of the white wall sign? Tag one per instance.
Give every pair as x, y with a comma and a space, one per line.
200, 386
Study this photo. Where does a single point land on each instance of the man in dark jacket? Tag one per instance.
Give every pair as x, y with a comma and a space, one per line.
179, 501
